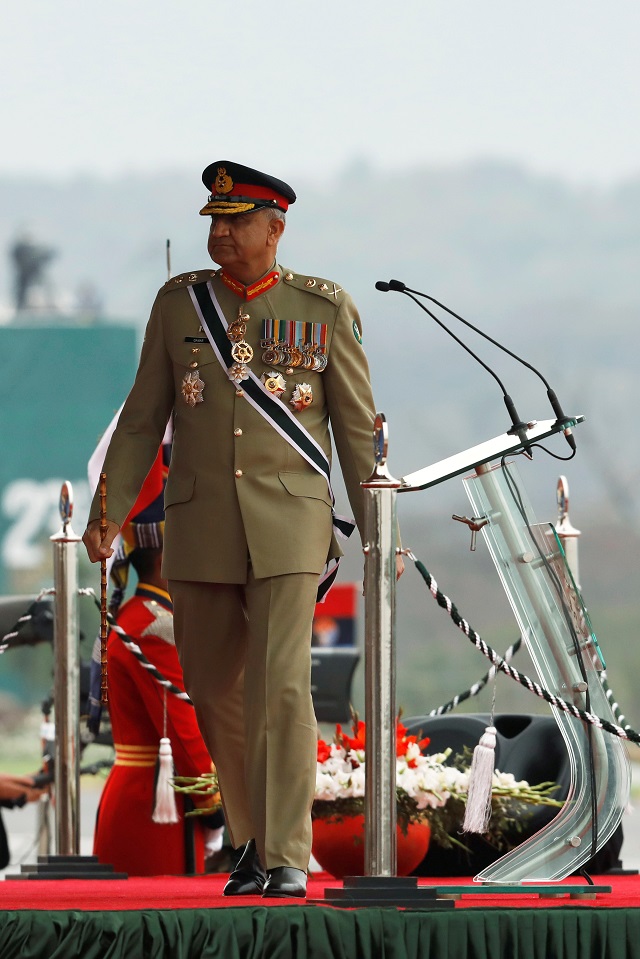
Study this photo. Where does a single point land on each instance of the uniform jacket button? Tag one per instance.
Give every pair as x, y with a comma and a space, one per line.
238, 473
237, 431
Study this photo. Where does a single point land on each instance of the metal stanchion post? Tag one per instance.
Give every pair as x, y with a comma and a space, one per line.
380, 521
66, 686
67, 863
380, 886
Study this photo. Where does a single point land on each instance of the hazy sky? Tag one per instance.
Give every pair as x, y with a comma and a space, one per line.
307, 88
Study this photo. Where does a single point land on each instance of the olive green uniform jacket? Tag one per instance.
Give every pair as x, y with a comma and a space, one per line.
238, 492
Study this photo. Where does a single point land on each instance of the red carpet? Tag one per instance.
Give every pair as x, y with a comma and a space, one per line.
205, 892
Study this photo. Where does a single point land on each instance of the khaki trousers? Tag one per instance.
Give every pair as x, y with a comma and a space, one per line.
245, 652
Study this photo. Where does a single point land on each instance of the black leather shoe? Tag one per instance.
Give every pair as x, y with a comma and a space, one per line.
248, 878
284, 882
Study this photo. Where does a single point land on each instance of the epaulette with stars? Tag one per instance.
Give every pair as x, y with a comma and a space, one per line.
313, 284
187, 279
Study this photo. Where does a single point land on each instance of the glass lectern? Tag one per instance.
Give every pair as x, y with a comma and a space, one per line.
557, 631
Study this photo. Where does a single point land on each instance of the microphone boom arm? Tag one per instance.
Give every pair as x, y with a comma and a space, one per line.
518, 426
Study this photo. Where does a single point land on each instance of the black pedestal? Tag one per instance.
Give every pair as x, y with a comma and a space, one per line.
402, 892
68, 867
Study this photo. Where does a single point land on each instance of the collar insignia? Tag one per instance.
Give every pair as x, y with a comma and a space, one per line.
254, 289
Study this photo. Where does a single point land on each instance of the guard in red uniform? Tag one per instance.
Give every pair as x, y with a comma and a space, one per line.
142, 712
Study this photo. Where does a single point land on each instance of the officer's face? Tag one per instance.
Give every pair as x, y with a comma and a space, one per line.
244, 243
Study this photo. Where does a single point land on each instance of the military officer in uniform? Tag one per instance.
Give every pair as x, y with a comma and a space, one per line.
256, 363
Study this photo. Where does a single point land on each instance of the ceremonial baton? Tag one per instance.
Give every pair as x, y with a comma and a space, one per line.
102, 488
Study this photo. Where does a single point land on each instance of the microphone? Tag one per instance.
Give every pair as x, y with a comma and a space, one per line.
399, 287
518, 428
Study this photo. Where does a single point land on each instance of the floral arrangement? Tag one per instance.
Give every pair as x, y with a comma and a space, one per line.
430, 788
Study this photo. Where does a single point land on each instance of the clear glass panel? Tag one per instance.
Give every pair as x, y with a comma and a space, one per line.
564, 649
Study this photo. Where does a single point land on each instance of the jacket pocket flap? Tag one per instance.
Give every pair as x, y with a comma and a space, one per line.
312, 485
179, 489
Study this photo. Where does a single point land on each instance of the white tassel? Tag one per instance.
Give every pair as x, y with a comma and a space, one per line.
478, 811
165, 810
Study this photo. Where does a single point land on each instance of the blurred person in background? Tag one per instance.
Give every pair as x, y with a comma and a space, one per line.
15, 791
128, 834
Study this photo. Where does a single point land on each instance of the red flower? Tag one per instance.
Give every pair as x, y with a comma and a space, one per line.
357, 742
403, 741
324, 751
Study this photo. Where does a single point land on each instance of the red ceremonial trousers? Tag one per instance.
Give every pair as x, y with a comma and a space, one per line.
126, 836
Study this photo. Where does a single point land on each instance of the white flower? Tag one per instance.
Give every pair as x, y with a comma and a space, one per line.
508, 781
357, 781
422, 782
425, 779
356, 756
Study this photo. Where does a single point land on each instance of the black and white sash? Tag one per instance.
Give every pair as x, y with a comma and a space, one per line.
214, 324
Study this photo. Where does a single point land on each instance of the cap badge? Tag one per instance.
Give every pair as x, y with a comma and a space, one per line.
192, 387
301, 397
223, 183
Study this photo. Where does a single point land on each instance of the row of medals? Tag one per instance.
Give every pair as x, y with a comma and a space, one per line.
309, 356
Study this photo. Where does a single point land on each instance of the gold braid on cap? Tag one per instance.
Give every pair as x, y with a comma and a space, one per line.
218, 205
236, 204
